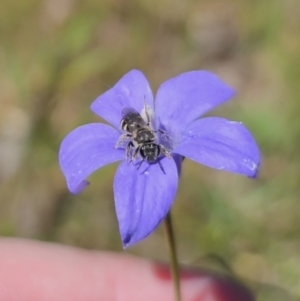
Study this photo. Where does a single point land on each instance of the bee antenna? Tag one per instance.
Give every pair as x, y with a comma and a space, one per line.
161, 167
140, 164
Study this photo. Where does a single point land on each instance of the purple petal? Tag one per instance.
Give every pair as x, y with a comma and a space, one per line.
220, 144
143, 197
178, 160
86, 149
186, 97
130, 91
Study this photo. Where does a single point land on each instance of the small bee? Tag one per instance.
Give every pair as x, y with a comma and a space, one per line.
142, 137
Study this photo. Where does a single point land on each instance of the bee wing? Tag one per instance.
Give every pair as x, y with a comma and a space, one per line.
128, 110
130, 115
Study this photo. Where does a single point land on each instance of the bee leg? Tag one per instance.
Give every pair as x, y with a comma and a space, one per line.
161, 167
136, 151
163, 135
146, 111
162, 132
165, 151
140, 164
147, 114
122, 138
128, 151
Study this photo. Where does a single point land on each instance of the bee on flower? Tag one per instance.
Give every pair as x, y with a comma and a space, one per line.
151, 139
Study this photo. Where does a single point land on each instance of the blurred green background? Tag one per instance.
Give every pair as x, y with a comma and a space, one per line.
57, 56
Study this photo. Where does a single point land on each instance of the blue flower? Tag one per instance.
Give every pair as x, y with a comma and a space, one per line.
143, 196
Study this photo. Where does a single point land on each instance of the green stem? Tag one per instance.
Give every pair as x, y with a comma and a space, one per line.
173, 255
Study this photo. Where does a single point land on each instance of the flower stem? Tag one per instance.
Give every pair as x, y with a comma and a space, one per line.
173, 255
